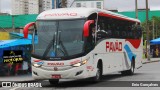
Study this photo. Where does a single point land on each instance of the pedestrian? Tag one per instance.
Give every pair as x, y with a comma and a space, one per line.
25, 67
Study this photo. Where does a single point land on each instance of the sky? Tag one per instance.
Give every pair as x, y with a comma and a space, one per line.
5, 5
121, 5
129, 5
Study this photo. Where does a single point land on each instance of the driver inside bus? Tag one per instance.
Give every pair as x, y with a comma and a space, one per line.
93, 34
91, 39
77, 39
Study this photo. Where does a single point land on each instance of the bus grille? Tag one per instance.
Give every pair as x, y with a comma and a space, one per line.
56, 68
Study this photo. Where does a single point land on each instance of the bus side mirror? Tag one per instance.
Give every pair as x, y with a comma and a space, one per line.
86, 27
26, 29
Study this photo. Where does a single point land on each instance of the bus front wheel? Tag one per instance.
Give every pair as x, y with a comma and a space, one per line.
53, 81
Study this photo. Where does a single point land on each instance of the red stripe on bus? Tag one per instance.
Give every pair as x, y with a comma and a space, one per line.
135, 42
115, 17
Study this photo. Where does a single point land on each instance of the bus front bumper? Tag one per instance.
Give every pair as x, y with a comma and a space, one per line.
73, 73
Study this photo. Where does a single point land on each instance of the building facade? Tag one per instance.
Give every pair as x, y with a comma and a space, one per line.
86, 3
45, 5
25, 7
33, 7
18, 7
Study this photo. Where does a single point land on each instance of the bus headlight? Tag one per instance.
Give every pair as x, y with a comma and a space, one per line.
80, 63
77, 64
84, 62
38, 64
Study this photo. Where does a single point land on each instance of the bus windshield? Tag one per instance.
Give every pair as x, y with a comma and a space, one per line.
60, 38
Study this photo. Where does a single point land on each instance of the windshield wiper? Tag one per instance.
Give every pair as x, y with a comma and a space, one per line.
52, 43
48, 48
64, 49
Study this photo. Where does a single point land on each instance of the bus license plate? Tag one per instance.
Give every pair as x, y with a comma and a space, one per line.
56, 76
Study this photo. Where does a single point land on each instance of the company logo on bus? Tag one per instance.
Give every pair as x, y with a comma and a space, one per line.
60, 14
55, 64
113, 46
55, 69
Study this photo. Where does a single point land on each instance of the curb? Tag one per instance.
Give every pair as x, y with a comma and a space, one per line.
151, 61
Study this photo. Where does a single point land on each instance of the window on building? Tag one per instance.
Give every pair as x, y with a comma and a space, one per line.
84, 4
78, 4
92, 4
98, 5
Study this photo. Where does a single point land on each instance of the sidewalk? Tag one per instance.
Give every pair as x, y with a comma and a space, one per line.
145, 61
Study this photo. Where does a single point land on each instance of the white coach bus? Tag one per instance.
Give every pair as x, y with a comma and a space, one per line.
76, 43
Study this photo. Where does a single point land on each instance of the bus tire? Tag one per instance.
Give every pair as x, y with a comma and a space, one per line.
53, 81
131, 70
98, 76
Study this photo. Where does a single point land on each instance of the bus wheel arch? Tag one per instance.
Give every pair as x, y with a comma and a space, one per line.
133, 61
100, 62
131, 70
132, 66
99, 71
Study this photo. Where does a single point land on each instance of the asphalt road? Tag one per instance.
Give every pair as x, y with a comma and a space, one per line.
149, 74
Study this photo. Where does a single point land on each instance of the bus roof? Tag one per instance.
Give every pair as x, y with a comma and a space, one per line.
75, 13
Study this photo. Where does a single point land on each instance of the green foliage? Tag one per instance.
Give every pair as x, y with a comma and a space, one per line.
154, 28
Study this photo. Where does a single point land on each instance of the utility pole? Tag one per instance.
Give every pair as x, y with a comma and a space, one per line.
64, 3
147, 31
55, 4
0, 6
156, 31
40, 6
136, 9
153, 29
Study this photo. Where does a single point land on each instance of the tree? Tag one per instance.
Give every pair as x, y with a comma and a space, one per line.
154, 27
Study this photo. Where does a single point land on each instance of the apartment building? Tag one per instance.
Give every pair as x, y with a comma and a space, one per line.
18, 7
45, 5
25, 7
33, 6
86, 3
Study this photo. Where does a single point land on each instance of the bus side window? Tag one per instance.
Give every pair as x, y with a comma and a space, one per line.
117, 34
139, 31
109, 31
136, 30
124, 34
90, 39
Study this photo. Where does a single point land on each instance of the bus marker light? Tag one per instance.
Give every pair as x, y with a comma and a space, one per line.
36, 60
